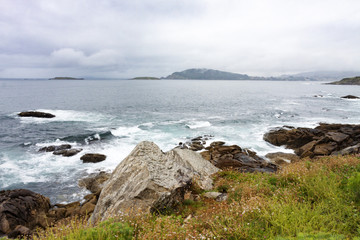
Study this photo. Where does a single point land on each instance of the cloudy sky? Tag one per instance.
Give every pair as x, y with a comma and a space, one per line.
128, 38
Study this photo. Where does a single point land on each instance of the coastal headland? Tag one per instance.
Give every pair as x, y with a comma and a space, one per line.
150, 181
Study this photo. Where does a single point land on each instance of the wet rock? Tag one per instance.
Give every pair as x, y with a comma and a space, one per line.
94, 182
68, 152
149, 180
36, 114
93, 158
217, 143
22, 207
350, 97
53, 148
195, 144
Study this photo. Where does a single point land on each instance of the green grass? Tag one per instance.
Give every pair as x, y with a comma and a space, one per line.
311, 199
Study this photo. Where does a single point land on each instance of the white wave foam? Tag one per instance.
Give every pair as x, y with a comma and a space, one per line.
125, 131
57, 142
198, 124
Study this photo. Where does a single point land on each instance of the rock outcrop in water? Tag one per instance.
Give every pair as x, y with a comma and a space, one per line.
36, 114
65, 150
243, 160
21, 211
152, 181
350, 97
326, 139
93, 158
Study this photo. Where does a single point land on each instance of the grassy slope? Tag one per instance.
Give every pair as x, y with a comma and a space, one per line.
348, 81
310, 199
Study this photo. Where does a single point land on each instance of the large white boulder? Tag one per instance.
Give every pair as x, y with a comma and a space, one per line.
150, 180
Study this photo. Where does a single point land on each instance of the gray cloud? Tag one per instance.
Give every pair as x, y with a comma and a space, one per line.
43, 38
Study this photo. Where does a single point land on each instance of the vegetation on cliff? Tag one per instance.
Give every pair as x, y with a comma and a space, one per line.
347, 81
208, 74
65, 78
145, 78
310, 199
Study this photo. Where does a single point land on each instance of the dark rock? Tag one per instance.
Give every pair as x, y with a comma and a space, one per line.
20, 232
325, 139
53, 148
87, 208
217, 143
349, 150
22, 207
195, 144
68, 152
36, 114
236, 158
292, 138
350, 97
93, 158
337, 136
325, 148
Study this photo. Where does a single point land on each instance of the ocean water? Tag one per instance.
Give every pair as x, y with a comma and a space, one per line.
111, 116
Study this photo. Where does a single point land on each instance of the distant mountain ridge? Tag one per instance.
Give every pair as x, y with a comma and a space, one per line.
209, 74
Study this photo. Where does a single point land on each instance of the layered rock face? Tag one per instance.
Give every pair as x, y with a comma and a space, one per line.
22, 209
326, 139
150, 180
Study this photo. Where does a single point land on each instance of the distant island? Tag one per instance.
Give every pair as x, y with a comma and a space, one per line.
347, 81
145, 78
65, 78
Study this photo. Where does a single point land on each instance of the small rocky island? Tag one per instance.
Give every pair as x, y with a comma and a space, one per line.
145, 78
65, 78
347, 81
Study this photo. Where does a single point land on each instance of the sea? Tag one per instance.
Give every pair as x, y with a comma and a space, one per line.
112, 116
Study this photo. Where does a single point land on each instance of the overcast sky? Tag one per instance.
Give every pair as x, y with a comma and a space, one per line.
128, 38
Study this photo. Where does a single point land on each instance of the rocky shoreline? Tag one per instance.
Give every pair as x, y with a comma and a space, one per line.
152, 181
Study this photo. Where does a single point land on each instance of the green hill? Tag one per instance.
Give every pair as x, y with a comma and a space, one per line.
208, 74
348, 81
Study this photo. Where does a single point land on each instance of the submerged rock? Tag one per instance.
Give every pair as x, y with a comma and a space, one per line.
93, 158
68, 152
53, 148
36, 114
149, 180
22, 209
